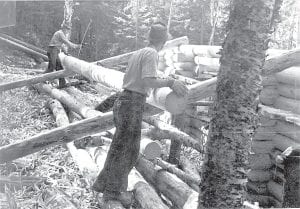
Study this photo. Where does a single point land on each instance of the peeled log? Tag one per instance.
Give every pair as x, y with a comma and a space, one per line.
34, 80
281, 62
288, 129
260, 161
290, 76
289, 90
287, 104
181, 57
264, 134
30, 46
262, 147
181, 195
268, 95
282, 142
188, 66
56, 136
168, 131
144, 194
192, 181
206, 61
24, 49
201, 50
202, 90
276, 190
259, 175
68, 100
269, 81
81, 157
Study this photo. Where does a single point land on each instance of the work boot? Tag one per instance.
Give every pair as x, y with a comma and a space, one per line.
126, 198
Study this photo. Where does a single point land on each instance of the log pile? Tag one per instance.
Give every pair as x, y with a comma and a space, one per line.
279, 131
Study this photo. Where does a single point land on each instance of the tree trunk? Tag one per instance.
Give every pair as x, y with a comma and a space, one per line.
234, 112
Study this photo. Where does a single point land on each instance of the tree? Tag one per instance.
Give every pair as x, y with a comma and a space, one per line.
234, 112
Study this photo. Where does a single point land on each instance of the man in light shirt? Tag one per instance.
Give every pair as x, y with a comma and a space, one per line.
141, 76
55, 46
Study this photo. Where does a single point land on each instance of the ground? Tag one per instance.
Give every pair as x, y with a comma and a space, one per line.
23, 114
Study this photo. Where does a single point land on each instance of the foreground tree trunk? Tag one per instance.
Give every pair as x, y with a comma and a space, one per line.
234, 115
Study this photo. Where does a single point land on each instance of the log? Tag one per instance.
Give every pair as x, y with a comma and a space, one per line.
289, 90
181, 195
260, 161
189, 168
188, 66
123, 58
290, 76
182, 57
201, 50
258, 188
186, 80
281, 62
144, 194
196, 133
147, 198
277, 114
207, 61
287, 104
288, 129
81, 157
259, 175
282, 142
266, 122
276, 190
192, 181
24, 49
30, 46
202, 90
264, 134
262, 147
68, 100
173, 133
268, 95
56, 136
202, 103
269, 81
34, 80
186, 73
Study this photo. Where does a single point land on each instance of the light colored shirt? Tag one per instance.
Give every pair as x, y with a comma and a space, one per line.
58, 39
142, 64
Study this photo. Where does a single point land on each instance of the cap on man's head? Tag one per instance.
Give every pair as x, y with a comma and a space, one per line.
65, 26
158, 33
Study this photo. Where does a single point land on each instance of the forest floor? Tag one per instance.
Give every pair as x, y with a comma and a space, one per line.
23, 113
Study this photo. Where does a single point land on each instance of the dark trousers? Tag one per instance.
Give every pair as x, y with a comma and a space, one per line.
54, 63
124, 149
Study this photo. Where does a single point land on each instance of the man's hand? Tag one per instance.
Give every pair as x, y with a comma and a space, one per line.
179, 88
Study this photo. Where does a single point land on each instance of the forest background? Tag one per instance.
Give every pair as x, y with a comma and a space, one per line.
117, 26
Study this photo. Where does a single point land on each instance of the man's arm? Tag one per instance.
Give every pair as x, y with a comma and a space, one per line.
177, 86
67, 42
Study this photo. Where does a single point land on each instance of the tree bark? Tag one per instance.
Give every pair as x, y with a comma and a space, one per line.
234, 113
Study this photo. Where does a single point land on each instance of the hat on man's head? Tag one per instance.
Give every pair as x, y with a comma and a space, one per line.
158, 33
65, 26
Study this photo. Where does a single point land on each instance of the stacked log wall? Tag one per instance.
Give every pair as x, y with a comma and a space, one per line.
278, 131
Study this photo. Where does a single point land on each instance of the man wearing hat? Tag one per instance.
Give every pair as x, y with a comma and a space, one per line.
55, 46
140, 77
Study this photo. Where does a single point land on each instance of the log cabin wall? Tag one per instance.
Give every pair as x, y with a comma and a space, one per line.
280, 129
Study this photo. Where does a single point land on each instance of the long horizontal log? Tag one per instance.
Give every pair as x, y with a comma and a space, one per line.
56, 136
181, 195
288, 129
278, 63
34, 80
290, 76
291, 91
123, 58
30, 46
24, 49
287, 104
